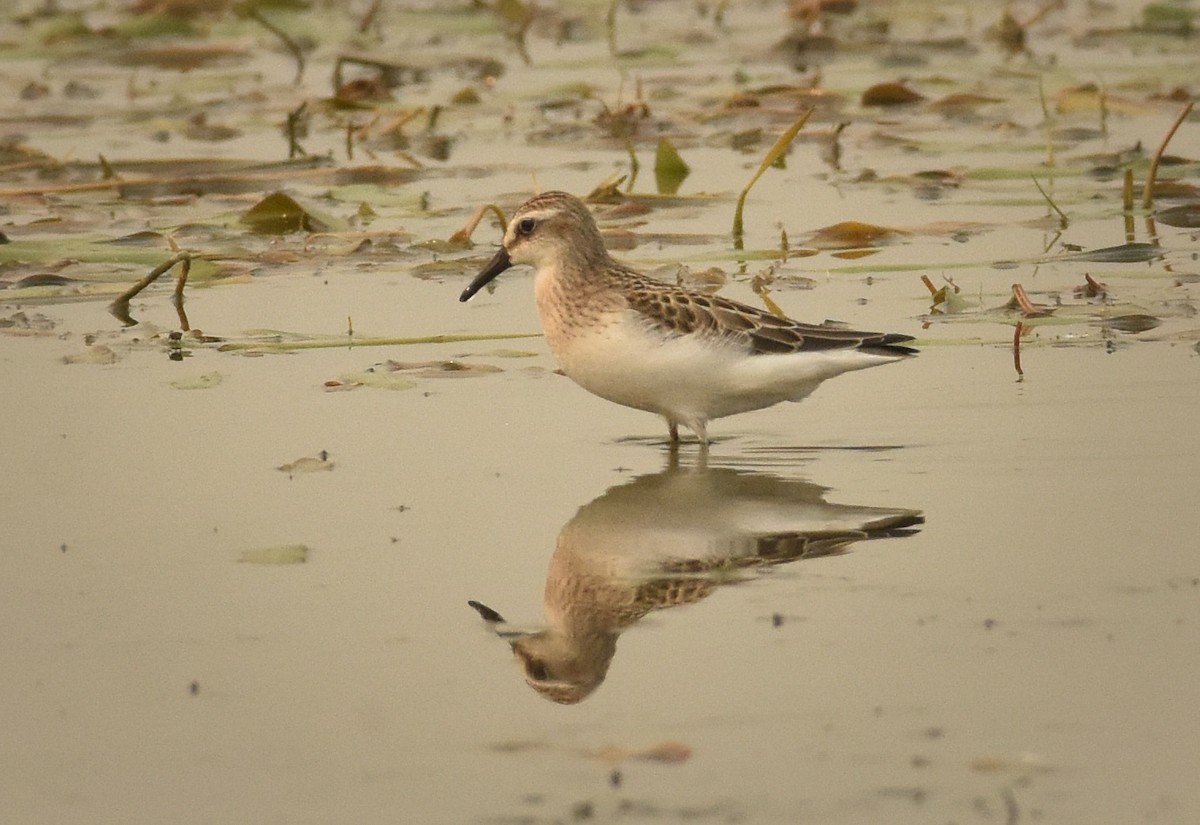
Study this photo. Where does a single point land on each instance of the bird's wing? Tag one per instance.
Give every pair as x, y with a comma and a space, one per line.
680, 311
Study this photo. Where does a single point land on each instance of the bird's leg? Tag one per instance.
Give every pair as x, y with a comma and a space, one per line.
673, 431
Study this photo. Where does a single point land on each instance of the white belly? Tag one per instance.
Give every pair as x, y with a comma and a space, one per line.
683, 378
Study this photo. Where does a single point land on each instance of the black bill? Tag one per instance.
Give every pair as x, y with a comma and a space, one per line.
495, 266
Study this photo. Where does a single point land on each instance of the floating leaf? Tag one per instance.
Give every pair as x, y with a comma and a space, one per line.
890, 94
670, 752
669, 168
513, 11
851, 235
279, 213
372, 378
441, 369
962, 102
283, 554
180, 56
364, 90
1169, 18
467, 96
853, 254
1128, 253
1184, 216
1136, 322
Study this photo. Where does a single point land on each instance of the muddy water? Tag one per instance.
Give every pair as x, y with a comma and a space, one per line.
770, 635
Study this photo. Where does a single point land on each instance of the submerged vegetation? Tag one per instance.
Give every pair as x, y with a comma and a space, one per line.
235, 140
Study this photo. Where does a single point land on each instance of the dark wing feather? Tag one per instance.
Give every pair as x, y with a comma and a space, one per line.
683, 312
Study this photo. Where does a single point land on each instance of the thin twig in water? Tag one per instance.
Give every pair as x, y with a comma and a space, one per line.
368, 19
634, 166
120, 306
610, 27
1148, 192
249, 10
295, 124
1017, 349
1062, 216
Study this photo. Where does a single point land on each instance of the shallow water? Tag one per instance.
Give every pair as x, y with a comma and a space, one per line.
1027, 653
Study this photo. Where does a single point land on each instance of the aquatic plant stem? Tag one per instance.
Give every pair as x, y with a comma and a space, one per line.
120, 306
1062, 216
331, 343
777, 151
463, 236
610, 27
1148, 191
1017, 350
249, 10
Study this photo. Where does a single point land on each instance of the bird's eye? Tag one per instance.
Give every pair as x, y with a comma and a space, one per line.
526, 225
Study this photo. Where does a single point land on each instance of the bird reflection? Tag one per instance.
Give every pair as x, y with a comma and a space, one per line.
667, 539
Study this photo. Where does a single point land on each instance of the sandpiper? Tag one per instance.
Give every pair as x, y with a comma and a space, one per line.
685, 355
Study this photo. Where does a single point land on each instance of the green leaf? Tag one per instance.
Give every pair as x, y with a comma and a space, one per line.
279, 214
669, 168
776, 152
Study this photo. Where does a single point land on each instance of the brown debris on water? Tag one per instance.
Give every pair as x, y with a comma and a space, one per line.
891, 94
946, 300
462, 238
1020, 300
1091, 288
1012, 34
852, 235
